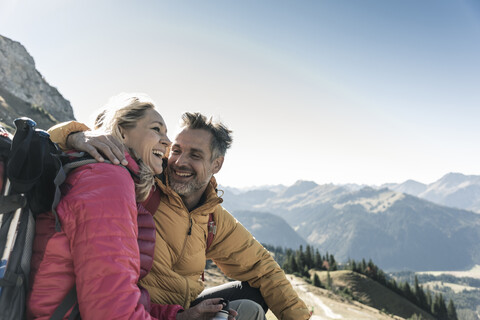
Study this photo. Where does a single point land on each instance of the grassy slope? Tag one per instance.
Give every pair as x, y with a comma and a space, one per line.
372, 296
372, 293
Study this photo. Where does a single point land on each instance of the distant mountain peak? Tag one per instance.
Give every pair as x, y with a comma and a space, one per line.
299, 187
374, 202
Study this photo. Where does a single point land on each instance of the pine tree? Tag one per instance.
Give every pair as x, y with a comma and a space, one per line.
451, 311
407, 292
439, 309
371, 270
363, 267
332, 263
300, 259
382, 278
354, 266
429, 301
293, 264
287, 264
317, 260
443, 315
329, 281
305, 271
316, 280
420, 297
309, 257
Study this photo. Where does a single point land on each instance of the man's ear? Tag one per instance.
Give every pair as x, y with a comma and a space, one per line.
217, 164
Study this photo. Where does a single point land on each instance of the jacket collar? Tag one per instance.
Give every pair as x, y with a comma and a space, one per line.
132, 165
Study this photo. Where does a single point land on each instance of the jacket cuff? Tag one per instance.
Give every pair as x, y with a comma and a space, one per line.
59, 132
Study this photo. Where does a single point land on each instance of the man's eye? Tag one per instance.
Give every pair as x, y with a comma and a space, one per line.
156, 129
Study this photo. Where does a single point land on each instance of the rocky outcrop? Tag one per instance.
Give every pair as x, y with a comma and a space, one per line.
22, 86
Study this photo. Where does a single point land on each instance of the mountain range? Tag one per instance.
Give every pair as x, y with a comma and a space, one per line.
396, 230
453, 190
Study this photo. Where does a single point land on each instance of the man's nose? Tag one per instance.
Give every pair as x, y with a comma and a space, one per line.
180, 160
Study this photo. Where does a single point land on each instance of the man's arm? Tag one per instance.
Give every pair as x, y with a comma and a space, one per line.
76, 135
243, 258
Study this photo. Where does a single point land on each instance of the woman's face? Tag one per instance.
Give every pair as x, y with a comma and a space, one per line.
149, 140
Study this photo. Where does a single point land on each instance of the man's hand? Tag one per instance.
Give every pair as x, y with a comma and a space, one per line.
97, 145
205, 310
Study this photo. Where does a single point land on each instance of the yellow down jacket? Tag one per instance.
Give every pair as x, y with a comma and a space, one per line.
180, 256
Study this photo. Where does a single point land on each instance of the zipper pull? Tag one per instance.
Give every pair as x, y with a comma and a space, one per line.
190, 229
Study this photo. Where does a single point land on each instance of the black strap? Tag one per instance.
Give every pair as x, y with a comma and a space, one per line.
68, 302
6, 222
75, 314
11, 279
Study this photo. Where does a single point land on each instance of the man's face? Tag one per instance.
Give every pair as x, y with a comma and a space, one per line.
190, 165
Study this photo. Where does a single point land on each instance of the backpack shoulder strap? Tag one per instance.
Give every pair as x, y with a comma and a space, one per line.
68, 302
60, 178
212, 230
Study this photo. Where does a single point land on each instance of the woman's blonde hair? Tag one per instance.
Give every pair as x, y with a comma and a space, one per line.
123, 111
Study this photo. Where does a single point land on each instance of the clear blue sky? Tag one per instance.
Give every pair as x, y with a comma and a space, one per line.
330, 91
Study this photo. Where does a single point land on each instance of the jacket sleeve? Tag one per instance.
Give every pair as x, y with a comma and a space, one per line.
103, 244
59, 132
243, 258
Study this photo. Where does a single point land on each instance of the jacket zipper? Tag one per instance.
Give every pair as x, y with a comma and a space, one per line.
191, 225
180, 255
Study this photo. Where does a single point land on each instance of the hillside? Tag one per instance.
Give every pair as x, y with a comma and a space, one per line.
327, 305
25, 92
372, 293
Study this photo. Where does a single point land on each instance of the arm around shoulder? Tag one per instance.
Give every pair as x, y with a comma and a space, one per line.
59, 132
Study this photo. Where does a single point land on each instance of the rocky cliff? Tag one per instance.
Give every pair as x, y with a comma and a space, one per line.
24, 91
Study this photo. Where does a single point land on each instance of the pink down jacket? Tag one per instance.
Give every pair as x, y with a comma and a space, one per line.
105, 246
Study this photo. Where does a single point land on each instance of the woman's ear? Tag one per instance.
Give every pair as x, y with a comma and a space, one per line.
122, 133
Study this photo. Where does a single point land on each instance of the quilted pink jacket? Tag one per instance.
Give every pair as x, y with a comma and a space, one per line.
97, 249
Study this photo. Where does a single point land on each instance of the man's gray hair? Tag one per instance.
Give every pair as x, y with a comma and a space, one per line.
221, 135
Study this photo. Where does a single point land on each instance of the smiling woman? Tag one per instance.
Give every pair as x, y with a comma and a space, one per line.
132, 119
148, 140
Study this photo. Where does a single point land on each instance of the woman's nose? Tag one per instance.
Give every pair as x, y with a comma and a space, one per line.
165, 141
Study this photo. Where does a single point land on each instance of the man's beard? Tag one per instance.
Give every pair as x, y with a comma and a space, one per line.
185, 188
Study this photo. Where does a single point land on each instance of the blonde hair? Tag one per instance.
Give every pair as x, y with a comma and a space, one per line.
123, 111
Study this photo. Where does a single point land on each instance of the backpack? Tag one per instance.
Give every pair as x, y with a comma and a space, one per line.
32, 168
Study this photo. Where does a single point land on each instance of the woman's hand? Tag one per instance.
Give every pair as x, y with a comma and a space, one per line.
97, 145
205, 310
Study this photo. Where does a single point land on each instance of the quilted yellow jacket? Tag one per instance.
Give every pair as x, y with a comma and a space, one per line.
180, 256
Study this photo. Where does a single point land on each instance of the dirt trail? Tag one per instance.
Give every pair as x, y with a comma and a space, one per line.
326, 305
